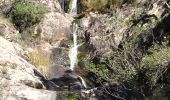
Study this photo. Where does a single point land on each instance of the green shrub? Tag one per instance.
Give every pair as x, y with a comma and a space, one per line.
96, 4
64, 95
25, 14
99, 5
101, 70
157, 57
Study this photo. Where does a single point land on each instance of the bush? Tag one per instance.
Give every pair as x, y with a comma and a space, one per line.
101, 71
95, 4
64, 95
25, 14
100, 5
156, 57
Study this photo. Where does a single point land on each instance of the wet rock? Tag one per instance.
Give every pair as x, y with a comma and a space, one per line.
64, 5
70, 79
76, 86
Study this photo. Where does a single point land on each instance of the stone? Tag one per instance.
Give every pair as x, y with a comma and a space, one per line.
56, 24
17, 79
8, 31
5, 6
70, 80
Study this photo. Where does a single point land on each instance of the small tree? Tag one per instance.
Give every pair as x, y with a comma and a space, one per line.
25, 14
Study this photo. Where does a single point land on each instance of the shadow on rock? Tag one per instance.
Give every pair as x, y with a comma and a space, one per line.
69, 80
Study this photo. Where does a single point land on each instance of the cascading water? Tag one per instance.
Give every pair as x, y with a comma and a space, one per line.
74, 7
73, 51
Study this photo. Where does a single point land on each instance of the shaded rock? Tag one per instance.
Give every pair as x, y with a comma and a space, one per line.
71, 80
56, 71
76, 86
60, 62
5, 6
64, 5
60, 56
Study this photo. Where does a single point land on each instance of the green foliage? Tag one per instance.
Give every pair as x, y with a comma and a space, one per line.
160, 93
99, 5
100, 70
70, 5
96, 4
156, 57
82, 57
152, 69
25, 14
63, 95
115, 2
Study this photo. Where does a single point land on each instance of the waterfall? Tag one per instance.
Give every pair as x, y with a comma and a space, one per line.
73, 50
83, 82
74, 7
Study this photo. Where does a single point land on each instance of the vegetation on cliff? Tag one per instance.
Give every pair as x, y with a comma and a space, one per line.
25, 14
101, 5
140, 65
138, 68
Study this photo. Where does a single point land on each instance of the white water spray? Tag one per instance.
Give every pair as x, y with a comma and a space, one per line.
73, 51
74, 7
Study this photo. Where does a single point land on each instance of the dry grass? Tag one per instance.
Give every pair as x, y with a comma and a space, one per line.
95, 4
41, 60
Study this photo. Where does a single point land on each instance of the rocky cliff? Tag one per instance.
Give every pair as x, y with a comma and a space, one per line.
124, 51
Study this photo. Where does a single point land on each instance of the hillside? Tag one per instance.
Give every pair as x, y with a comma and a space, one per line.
84, 50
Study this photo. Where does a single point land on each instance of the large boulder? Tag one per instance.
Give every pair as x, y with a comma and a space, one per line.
17, 79
55, 24
70, 79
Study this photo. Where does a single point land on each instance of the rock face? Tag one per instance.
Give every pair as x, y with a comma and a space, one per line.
53, 37
56, 24
54, 30
17, 77
100, 34
8, 31
106, 31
